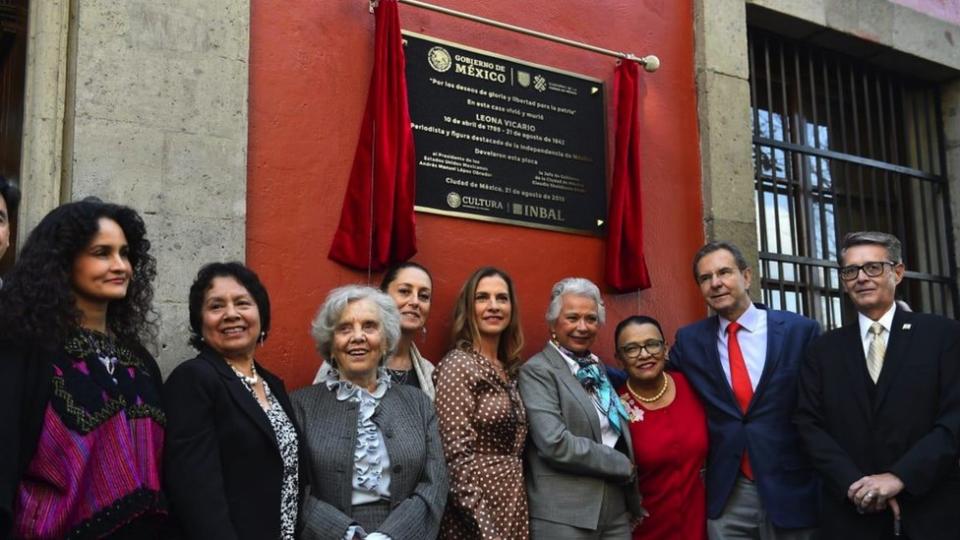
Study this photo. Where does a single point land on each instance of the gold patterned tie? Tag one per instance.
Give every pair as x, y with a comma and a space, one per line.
876, 351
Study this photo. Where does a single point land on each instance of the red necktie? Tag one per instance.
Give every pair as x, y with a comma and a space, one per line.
740, 381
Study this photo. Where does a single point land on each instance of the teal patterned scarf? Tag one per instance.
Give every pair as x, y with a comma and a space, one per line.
594, 380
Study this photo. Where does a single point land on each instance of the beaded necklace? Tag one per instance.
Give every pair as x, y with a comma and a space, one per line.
663, 390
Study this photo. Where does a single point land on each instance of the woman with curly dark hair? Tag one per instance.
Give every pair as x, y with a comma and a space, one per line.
80, 416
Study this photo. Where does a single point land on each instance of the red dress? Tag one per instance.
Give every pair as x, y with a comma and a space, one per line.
670, 448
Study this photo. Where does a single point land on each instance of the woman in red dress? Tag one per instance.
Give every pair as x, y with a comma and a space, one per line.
669, 429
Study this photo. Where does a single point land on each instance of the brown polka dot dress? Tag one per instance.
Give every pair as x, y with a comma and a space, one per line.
483, 426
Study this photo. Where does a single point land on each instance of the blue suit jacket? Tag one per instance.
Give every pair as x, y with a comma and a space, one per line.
786, 481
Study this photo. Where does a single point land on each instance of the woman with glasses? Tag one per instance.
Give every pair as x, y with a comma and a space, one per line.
670, 428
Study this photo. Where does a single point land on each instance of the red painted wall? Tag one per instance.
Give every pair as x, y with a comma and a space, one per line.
310, 64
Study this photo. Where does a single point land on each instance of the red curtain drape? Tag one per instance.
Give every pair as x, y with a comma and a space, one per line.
626, 269
377, 226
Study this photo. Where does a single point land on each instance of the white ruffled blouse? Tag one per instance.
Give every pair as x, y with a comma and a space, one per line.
371, 464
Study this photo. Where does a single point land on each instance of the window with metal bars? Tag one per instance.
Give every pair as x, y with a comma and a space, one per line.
840, 146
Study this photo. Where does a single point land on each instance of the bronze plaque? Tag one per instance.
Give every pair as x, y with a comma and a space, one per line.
499, 139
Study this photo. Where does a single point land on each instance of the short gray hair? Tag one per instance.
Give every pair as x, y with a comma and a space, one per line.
324, 323
873, 238
577, 286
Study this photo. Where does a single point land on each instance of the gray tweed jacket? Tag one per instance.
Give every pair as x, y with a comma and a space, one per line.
418, 473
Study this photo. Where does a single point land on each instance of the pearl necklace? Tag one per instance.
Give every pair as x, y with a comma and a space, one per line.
663, 390
251, 380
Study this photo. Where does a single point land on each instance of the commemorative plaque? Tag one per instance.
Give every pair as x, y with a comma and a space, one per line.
499, 139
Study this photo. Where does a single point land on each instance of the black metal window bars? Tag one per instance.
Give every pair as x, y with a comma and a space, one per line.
840, 146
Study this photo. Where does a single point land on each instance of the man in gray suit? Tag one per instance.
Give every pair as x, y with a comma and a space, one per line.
582, 480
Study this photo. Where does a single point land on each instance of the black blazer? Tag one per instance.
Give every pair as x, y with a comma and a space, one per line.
25, 374
222, 467
910, 427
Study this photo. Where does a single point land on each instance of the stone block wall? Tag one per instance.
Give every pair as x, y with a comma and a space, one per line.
154, 116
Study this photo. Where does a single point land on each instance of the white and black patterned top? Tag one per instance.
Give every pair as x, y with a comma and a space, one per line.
288, 443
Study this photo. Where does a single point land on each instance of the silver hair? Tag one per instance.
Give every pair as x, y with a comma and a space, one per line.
873, 238
324, 323
577, 286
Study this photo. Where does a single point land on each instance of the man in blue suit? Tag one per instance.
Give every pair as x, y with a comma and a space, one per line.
744, 363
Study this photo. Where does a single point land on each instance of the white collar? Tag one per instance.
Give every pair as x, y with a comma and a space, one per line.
572, 363
886, 321
749, 320
347, 390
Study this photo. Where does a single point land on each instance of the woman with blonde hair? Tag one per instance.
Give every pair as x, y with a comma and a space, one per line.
482, 421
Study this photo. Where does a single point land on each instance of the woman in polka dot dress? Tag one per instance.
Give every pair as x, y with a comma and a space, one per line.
482, 421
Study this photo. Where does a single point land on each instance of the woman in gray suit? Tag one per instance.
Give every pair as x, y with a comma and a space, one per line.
581, 481
376, 467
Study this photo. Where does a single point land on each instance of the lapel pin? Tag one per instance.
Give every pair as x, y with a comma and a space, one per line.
906, 326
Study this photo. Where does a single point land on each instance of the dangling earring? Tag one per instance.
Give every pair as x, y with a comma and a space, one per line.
262, 338
423, 336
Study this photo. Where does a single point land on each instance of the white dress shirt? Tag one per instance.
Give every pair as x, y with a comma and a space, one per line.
885, 320
752, 338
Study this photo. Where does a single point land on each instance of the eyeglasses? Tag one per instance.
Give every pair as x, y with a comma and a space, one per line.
632, 351
871, 269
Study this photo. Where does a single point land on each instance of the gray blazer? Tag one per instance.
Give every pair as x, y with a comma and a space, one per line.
418, 473
569, 466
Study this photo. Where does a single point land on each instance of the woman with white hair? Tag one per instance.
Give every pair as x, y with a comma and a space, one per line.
375, 462
582, 479
410, 285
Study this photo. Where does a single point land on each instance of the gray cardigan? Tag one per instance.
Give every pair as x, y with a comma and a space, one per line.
418, 473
